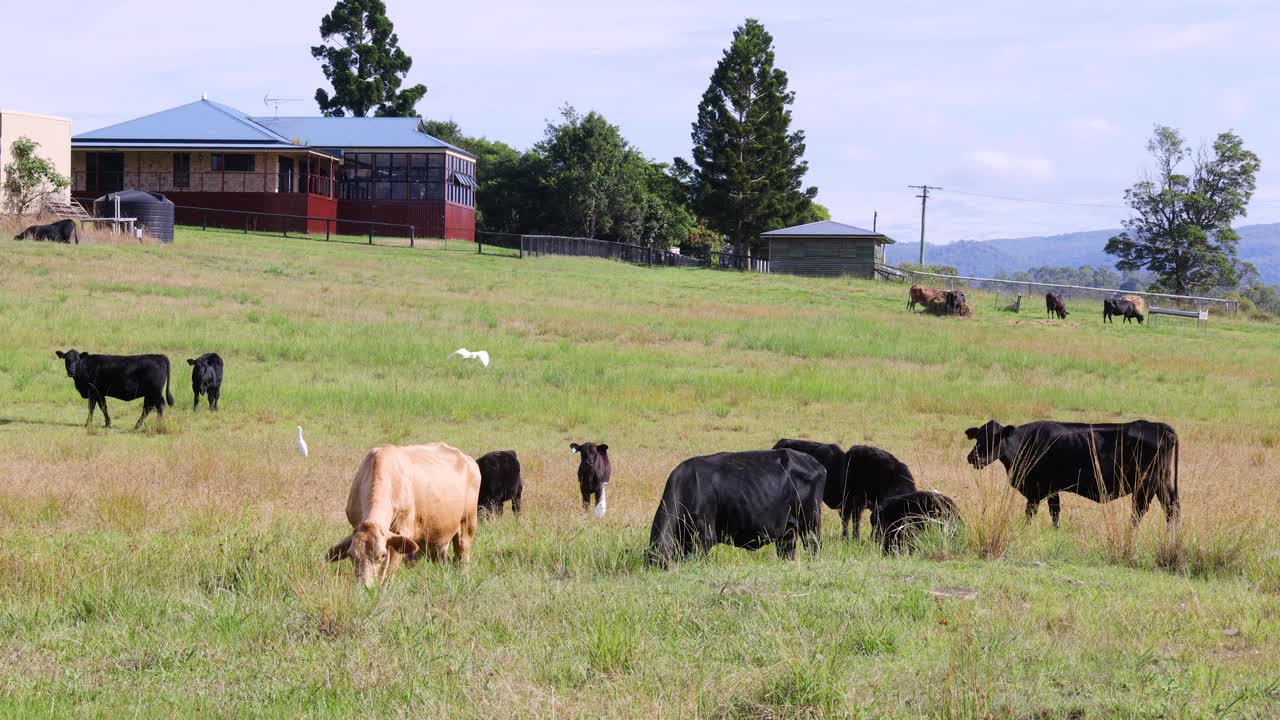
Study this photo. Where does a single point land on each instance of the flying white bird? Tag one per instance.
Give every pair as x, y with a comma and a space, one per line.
466, 354
600, 506
302, 444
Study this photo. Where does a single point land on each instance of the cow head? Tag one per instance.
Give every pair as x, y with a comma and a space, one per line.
590, 452
369, 547
202, 371
988, 440
72, 360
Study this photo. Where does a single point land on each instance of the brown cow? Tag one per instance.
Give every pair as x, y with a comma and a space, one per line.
406, 498
922, 295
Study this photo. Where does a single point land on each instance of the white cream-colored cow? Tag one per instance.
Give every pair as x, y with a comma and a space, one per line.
404, 500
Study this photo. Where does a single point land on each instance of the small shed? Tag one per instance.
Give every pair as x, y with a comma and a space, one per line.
826, 248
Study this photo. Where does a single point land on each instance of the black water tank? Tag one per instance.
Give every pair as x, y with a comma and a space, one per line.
153, 211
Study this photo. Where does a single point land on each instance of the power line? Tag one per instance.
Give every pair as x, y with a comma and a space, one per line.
924, 201
1035, 201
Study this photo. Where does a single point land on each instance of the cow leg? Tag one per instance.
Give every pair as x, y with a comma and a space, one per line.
92, 402
146, 410
586, 501
1055, 508
1141, 502
462, 548
196, 406
786, 545
1032, 507
102, 404
214, 395
515, 501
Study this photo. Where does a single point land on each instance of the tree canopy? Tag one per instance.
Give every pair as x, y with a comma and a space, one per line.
1181, 229
748, 164
28, 178
361, 57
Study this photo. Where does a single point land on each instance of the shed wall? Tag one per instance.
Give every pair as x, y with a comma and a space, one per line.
824, 257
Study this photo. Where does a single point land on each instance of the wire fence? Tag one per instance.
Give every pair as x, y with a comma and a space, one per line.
333, 229
538, 245
1017, 292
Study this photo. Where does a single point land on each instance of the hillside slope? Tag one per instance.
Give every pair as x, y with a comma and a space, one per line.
180, 571
1259, 244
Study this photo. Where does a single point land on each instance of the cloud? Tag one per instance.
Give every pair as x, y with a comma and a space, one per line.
1091, 126
1021, 166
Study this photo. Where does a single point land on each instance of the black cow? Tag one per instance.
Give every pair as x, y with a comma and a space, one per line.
594, 471
124, 377
745, 499
500, 481
955, 302
1101, 461
1054, 305
206, 379
63, 231
855, 479
899, 519
1124, 308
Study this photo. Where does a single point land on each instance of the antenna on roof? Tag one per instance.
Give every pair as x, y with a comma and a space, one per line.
275, 102
204, 95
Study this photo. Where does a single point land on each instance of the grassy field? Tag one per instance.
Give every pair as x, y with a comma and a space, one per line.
179, 571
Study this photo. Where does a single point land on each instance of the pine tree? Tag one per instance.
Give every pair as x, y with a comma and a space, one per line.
747, 163
366, 66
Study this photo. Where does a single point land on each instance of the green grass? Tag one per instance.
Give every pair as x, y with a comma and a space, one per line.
179, 571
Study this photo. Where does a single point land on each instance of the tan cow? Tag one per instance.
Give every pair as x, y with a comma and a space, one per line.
922, 295
404, 499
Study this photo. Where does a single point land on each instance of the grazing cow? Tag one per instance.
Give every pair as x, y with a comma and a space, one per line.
900, 519
1053, 305
874, 475
594, 471
1124, 308
919, 294
856, 479
206, 379
124, 377
499, 481
955, 302
63, 231
1101, 461
406, 499
745, 499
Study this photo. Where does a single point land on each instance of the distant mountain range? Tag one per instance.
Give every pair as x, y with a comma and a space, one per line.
1259, 244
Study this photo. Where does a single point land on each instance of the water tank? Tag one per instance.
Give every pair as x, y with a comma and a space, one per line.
153, 211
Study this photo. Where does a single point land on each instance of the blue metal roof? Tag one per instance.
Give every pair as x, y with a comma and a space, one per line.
825, 228
205, 123
202, 121
354, 133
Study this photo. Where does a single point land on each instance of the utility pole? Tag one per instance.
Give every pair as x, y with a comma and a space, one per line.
924, 201
875, 216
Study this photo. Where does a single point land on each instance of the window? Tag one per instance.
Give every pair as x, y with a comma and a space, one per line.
181, 170
104, 172
232, 162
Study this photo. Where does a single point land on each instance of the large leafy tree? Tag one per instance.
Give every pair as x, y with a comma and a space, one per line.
748, 164
361, 56
1181, 228
586, 157
28, 178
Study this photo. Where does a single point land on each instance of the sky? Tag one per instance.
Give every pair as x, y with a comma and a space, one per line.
1033, 117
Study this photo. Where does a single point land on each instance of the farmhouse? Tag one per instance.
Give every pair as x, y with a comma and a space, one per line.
208, 155
827, 248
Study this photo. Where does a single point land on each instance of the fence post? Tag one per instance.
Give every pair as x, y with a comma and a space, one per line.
326, 229
411, 236
246, 224
370, 234
204, 224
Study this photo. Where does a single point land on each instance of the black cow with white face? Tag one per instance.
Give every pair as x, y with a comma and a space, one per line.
124, 377
594, 472
206, 379
745, 499
500, 482
1099, 461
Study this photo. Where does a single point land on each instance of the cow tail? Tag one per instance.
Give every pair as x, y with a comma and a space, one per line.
167, 374
1176, 498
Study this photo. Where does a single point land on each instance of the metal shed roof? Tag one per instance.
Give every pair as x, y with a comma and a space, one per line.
356, 132
825, 228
